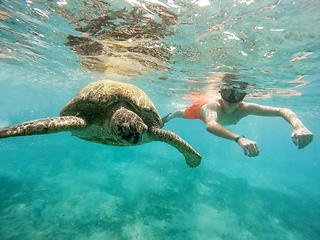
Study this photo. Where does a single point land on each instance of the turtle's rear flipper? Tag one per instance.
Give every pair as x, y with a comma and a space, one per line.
43, 126
193, 158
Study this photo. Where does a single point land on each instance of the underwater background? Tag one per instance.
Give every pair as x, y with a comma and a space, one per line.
60, 187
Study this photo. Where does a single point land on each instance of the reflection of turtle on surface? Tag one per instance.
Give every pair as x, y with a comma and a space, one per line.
127, 42
111, 113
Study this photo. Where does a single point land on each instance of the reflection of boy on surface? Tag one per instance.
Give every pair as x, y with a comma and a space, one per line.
229, 109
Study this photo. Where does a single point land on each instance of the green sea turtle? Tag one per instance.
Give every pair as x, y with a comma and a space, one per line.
111, 113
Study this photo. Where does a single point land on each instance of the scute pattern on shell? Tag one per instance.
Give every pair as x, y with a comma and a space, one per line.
103, 94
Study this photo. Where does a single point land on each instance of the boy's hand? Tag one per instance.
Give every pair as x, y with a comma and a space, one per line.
302, 137
249, 147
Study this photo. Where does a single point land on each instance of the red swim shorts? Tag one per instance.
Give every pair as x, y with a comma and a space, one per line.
192, 112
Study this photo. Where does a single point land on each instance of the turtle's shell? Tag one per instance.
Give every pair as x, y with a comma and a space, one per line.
97, 101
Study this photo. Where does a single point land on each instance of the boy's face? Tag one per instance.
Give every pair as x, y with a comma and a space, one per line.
232, 95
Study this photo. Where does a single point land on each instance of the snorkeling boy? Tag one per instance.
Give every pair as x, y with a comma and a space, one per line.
229, 109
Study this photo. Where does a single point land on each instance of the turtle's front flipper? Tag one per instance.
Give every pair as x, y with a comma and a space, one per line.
43, 126
193, 158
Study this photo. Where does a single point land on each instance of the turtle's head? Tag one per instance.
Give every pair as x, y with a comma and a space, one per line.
127, 126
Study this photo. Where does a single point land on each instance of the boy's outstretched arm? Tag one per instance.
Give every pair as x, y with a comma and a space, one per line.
301, 136
250, 148
176, 114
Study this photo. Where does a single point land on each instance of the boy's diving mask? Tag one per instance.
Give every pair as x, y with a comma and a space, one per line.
232, 95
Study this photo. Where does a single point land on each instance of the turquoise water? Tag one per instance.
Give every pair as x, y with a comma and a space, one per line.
60, 187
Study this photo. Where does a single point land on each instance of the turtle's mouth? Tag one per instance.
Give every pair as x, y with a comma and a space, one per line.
131, 136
